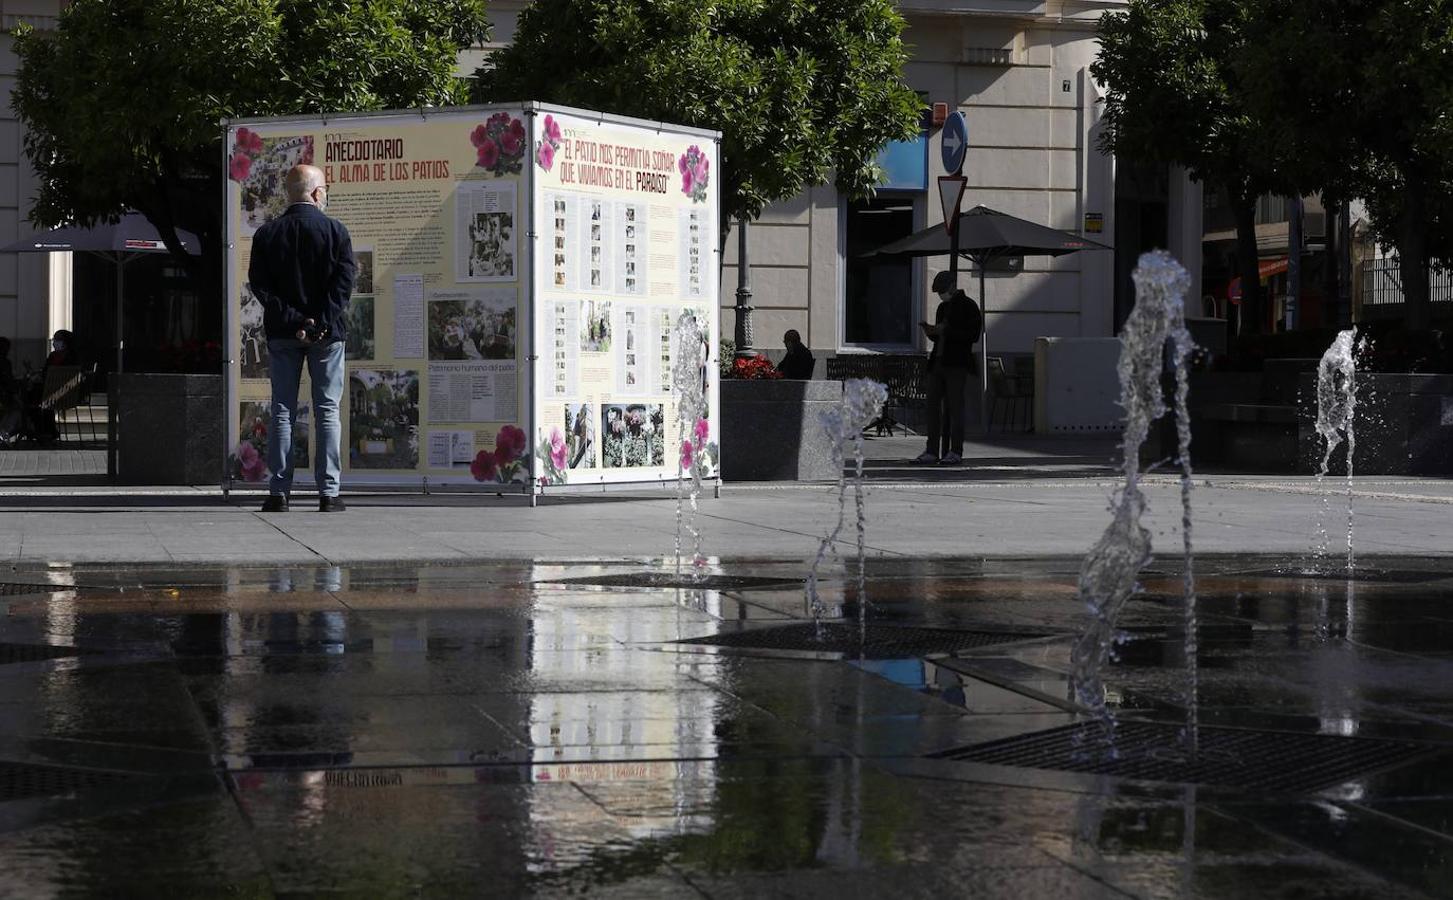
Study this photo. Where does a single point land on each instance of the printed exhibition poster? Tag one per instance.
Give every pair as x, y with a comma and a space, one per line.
520, 274
435, 373
626, 218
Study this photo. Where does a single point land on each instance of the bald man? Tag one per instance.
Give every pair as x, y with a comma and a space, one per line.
302, 272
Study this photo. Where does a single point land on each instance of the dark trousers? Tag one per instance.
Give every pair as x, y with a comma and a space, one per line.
946, 409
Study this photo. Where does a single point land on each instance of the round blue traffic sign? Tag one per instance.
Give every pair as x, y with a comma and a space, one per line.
954, 142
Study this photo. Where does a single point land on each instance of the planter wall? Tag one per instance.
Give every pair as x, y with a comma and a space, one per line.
1403, 426
771, 430
168, 429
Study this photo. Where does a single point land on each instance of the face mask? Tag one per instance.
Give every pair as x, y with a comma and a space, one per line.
58, 345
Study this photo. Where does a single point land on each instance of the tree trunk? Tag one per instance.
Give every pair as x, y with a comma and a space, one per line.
1243, 205
1413, 259
1331, 313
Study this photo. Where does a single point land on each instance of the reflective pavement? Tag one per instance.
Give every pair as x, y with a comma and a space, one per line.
487, 731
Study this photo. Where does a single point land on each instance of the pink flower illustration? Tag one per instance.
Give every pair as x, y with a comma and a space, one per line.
253, 466
517, 128
552, 130
544, 481
545, 156
509, 143
701, 431
478, 136
509, 444
488, 153
483, 468
558, 449
239, 167
686, 454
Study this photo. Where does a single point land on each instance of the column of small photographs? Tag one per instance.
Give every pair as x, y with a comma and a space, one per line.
630, 255
597, 242
559, 243
630, 336
560, 352
665, 351
693, 257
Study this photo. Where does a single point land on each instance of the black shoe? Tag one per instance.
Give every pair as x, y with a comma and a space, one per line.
331, 504
275, 503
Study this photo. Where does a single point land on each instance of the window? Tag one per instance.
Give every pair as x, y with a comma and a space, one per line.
879, 305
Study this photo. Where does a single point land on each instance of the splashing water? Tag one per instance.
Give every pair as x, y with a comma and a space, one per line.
698, 454
1336, 409
1108, 577
862, 402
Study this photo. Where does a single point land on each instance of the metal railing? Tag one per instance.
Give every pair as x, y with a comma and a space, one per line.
1382, 283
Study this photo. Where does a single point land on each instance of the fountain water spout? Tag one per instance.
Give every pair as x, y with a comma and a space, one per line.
1110, 571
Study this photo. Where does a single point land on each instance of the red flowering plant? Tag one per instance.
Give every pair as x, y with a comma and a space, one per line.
753, 368
499, 144
507, 462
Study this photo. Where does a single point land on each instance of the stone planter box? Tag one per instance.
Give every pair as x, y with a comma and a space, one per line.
168, 428
1403, 426
771, 431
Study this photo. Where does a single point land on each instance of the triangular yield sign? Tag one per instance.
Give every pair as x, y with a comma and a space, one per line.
951, 195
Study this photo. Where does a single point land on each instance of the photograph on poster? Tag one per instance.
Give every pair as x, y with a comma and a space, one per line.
254, 339
254, 422
383, 418
486, 237
477, 328
632, 436
363, 280
259, 165
580, 435
358, 341
595, 326
492, 245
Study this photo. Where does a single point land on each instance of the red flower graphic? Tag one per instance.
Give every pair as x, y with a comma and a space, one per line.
239, 167
509, 444
483, 468
488, 153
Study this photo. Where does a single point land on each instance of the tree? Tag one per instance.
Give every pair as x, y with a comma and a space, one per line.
1359, 92
122, 102
802, 92
1173, 98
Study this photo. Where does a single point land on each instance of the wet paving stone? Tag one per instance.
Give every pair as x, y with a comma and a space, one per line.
395, 731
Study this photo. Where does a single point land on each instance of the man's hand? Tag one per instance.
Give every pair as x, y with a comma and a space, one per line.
310, 328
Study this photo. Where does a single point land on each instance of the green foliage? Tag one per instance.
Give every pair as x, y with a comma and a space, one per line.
802, 91
1172, 94
1360, 94
122, 102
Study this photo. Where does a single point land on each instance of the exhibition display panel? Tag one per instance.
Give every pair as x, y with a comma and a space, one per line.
522, 270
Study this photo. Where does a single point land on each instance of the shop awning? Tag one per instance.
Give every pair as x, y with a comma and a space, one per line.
1265, 269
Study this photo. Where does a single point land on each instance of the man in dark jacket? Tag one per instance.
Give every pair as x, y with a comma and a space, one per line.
798, 363
956, 327
302, 272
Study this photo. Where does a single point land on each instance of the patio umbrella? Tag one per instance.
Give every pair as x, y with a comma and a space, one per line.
121, 242
983, 236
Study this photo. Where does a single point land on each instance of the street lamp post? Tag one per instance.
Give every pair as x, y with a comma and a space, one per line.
743, 309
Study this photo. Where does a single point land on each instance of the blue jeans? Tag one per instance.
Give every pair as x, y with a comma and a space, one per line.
325, 370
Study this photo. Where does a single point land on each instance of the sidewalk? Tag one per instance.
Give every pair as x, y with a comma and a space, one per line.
982, 514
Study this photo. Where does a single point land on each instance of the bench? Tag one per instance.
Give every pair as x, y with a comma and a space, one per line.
903, 375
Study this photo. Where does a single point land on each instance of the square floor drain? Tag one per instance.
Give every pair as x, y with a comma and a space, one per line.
23, 653
1267, 761
19, 780
684, 581
880, 641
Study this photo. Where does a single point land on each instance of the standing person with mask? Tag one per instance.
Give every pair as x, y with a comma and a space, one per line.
302, 272
955, 329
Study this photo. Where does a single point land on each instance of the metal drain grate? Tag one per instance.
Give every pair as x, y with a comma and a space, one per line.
1269, 761
20, 780
16, 589
23, 653
672, 580
881, 642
